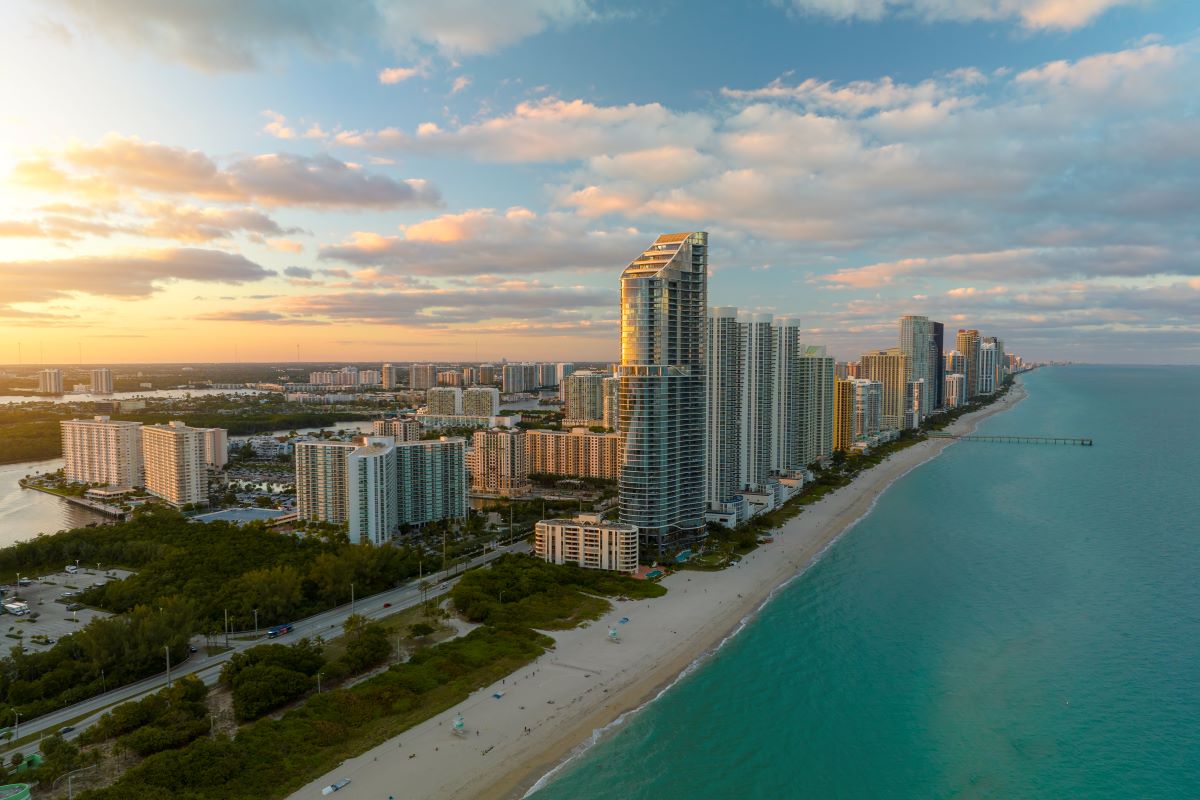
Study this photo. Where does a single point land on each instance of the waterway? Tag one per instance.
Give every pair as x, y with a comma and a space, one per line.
145, 394
25, 513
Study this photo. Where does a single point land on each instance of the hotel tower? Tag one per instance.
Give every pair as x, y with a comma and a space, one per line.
662, 415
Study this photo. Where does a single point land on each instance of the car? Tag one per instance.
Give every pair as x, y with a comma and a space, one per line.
64, 730
387, 605
191, 648
444, 586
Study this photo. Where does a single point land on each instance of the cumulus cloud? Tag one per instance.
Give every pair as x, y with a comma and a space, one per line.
125, 276
1034, 14
486, 241
118, 164
237, 35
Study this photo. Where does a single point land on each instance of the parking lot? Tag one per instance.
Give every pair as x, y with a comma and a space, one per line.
52, 607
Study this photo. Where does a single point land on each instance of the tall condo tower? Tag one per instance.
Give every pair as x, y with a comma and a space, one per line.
724, 398
663, 306
758, 393
968, 343
916, 342
939, 365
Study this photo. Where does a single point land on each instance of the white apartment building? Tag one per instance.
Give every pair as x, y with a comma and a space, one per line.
431, 478
583, 399
371, 491
216, 447
498, 463
450, 377
578, 453
101, 381
481, 401
422, 376
589, 541
956, 389
321, 494
101, 450
988, 366
868, 408
173, 455
50, 381
389, 376
612, 403
444, 401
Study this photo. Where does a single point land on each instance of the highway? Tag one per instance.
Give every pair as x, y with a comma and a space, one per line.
208, 668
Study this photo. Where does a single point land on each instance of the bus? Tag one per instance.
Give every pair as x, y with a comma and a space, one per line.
278, 630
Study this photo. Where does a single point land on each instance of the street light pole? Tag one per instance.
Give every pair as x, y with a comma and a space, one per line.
318, 683
352, 598
17, 727
167, 649
256, 623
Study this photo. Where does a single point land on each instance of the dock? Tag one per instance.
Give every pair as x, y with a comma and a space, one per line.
1085, 441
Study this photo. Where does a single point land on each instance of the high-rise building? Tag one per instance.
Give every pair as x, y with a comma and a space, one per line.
612, 403
956, 390
589, 541
370, 377
956, 362
50, 381
481, 401
321, 485
432, 479
402, 429
758, 395
389, 376
487, 373
216, 447
577, 453
817, 382
988, 366
914, 392
498, 464
938, 376
788, 425
843, 414
371, 491
444, 400
890, 368
102, 381
723, 398
916, 342
663, 306
564, 369
470, 376
422, 376
173, 459
517, 378
868, 408
450, 377
583, 399
102, 451
967, 343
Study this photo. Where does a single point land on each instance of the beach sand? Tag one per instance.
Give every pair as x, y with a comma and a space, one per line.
559, 703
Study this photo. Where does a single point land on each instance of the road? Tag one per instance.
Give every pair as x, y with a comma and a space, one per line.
208, 668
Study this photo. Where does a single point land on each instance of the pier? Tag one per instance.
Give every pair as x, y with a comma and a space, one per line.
1072, 440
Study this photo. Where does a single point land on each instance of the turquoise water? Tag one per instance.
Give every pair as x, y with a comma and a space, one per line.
1012, 621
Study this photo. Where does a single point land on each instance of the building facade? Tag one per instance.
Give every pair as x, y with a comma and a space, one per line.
216, 447
175, 469
583, 398
589, 541
102, 450
612, 403
422, 376
371, 491
498, 464
101, 381
432, 480
402, 429
967, 343
321, 485
481, 401
663, 309
956, 390
843, 414
444, 401
891, 369
916, 342
50, 381
577, 453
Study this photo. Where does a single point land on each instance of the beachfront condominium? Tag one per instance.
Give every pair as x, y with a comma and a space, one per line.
422, 376
444, 401
868, 408
216, 447
663, 307
955, 363
817, 376
402, 429
389, 376
723, 400
967, 343
843, 414
498, 464
939, 365
917, 342
321, 480
583, 399
612, 403
103, 451
956, 387
988, 365
758, 396
577, 453
889, 367
371, 491
432, 480
101, 381
589, 541
914, 394
481, 401
173, 458
50, 381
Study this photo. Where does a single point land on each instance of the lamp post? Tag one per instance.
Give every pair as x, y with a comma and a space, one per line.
167, 650
318, 683
256, 623
351, 598
17, 726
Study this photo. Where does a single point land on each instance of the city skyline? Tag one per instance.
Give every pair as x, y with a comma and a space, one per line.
458, 189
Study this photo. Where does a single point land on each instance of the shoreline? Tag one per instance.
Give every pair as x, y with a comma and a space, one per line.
585, 687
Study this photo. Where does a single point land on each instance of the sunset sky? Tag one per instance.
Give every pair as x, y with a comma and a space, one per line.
374, 180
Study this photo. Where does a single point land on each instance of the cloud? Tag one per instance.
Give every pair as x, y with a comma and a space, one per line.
277, 126
193, 224
393, 75
130, 276
298, 272
460, 83
1033, 14
120, 164
239, 35
486, 241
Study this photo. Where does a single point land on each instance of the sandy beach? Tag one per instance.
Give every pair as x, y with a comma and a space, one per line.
564, 700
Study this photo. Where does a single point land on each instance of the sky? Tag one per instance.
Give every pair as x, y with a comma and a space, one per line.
275, 180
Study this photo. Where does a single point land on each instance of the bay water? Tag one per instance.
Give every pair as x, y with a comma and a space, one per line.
1010, 621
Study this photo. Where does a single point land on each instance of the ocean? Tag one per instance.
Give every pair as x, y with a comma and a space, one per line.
1010, 621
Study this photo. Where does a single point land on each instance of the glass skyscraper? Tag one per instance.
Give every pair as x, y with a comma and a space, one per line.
663, 308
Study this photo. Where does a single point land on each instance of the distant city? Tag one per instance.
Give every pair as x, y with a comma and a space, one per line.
712, 416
